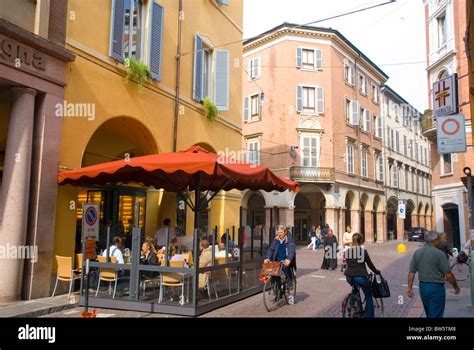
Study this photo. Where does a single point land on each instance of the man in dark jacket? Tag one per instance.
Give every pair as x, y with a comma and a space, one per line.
283, 248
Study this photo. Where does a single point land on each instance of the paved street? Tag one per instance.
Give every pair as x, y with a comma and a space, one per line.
320, 292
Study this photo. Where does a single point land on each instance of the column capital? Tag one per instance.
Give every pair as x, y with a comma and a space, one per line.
21, 90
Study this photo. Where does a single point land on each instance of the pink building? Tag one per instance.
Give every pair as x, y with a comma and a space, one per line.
446, 25
312, 112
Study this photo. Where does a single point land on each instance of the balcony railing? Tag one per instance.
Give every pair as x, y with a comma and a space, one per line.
312, 174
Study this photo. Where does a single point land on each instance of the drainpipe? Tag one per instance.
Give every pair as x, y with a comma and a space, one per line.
359, 163
178, 76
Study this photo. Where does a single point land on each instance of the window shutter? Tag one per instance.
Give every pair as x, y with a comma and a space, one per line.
346, 63
198, 69
320, 99
117, 27
221, 92
246, 109
367, 120
319, 59
352, 74
355, 113
299, 98
299, 57
256, 68
250, 71
156, 38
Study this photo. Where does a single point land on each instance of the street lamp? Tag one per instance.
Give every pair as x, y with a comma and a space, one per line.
468, 173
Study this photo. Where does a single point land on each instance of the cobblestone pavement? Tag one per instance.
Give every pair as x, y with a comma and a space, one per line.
319, 292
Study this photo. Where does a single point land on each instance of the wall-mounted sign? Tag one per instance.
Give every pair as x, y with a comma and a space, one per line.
18, 55
445, 96
451, 134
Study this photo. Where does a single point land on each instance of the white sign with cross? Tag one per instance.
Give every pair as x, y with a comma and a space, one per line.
445, 96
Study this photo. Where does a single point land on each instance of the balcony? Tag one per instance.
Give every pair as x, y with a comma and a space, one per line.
312, 174
428, 126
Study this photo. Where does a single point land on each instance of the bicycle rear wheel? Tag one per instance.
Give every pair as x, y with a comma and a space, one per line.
272, 298
460, 271
352, 307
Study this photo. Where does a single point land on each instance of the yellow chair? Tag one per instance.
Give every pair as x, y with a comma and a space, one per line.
107, 274
78, 263
172, 279
65, 273
218, 275
188, 256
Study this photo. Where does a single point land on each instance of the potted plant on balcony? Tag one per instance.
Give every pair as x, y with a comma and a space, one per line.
137, 72
211, 109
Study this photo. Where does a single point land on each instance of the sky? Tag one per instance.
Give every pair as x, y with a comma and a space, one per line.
392, 36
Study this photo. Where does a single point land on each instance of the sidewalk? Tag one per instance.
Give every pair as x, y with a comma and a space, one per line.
456, 305
39, 307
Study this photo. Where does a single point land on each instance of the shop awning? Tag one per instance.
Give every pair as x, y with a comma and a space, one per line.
178, 172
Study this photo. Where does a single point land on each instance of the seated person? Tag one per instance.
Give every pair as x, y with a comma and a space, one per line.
178, 256
205, 260
148, 256
221, 251
115, 250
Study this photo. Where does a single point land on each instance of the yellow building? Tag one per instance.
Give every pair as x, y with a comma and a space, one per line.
106, 115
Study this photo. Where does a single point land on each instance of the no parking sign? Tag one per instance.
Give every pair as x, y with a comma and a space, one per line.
90, 221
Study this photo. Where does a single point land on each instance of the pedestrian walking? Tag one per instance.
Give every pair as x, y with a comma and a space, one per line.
433, 270
330, 251
312, 237
325, 230
319, 238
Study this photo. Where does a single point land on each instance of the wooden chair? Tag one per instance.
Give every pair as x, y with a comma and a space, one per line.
188, 256
65, 273
172, 279
78, 263
107, 274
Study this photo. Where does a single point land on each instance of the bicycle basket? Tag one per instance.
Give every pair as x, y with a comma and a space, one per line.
272, 269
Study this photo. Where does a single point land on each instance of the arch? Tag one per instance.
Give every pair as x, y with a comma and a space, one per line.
392, 208
206, 146
420, 208
442, 73
364, 201
309, 210
247, 194
427, 209
349, 201
117, 137
410, 205
377, 204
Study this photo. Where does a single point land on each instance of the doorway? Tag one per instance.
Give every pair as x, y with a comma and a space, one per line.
301, 228
451, 225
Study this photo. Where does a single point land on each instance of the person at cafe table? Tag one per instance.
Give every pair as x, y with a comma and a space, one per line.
148, 256
160, 234
115, 250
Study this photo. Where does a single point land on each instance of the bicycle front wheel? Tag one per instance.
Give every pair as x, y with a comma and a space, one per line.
460, 271
352, 307
271, 294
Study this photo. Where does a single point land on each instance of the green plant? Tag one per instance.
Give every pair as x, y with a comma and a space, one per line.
137, 72
211, 109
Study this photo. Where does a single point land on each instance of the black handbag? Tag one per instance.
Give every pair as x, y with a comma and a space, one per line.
380, 287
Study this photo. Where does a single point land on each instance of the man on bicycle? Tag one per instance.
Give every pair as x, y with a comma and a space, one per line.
283, 248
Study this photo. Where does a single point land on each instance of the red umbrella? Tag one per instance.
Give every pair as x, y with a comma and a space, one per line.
192, 170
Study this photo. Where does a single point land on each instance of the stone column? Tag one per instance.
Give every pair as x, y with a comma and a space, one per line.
381, 225
414, 220
268, 212
331, 218
400, 229
341, 221
287, 217
355, 220
428, 222
16, 186
244, 216
369, 227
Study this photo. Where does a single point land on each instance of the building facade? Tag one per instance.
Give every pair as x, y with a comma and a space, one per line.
446, 24
33, 61
311, 112
106, 115
407, 169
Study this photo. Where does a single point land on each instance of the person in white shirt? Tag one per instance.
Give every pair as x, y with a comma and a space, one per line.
114, 250
160, 234
220, 253
347, 238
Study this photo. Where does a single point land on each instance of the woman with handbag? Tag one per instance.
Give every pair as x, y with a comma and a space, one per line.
357, 258
330, 251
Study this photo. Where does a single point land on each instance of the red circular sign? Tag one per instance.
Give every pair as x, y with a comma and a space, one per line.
449, 121
91, 216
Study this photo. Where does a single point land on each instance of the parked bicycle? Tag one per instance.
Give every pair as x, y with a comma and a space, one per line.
461, 266
353, 304
277, 292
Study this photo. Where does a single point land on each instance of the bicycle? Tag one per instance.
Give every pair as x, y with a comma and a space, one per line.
353, 305
275, 290
461, 266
